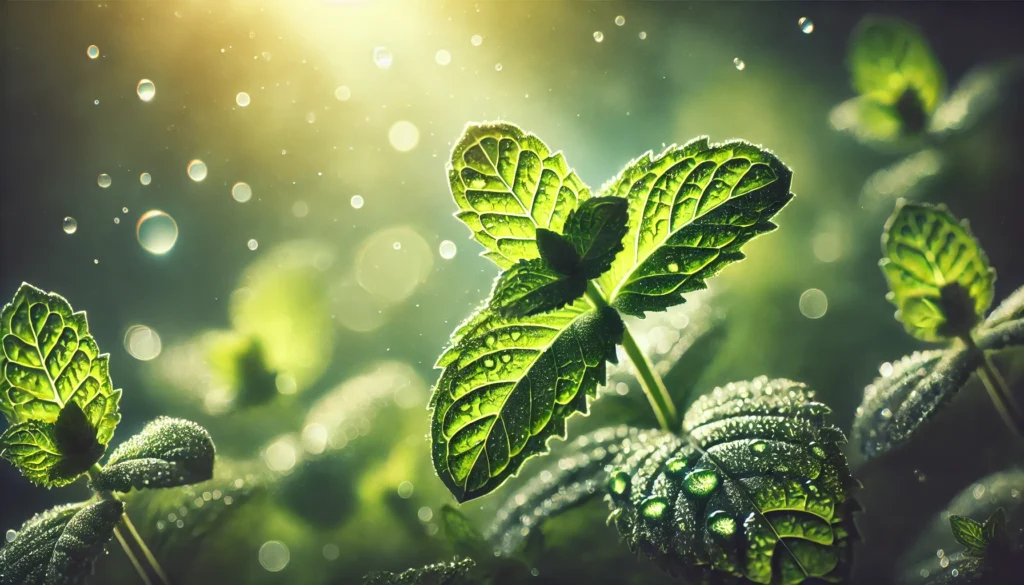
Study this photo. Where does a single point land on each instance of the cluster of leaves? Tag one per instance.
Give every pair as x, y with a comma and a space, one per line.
536, 351
57, 396
990, 555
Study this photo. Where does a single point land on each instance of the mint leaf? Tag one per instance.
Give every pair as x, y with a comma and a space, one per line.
969, 533
691, 209
595, 229
507, 184
453, 573
52, 455
557, 251
509, 384
49, 359
60, 546
939, 276
868, 120
531, 286
167, 453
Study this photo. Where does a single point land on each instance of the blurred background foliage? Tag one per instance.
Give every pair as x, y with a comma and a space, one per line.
300, 325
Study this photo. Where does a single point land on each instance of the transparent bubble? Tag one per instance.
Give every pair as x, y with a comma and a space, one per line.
356, 202
281, 455
477, 40
813, 303
103, 180
142, 343
643, 35
403, 136
392, 275
241, 192
70, 225
117, 220
157, 232
598, 36
145, 178
447, 249
382, 57
146, 90
443, 57
342, 93
124, 210
397, 245
331, 552
242, 99
497, 67
253, 244
806, 25
197, 170
740, 65
425, 514
885, 369
620, 20
274, 556
93, 51
405, 490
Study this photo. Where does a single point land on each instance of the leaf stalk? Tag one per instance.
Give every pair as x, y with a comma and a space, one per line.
998, 390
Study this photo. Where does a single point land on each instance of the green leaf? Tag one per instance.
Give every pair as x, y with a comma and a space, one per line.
691, 209
60, 546
453, 573
507, 184
757, 492
939, 276
49, 359
557, 251
464, 538
52, 455
596, 230
868, 121
890, 59
532, 286
508, 385
994, 528
168, 452
968, 532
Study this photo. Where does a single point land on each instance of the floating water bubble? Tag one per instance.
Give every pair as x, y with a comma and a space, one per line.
93, 51
70, 225
477, 40
598, 36
425, 514
740, 65
405, 490
620, 20
382, 57
157, 232
356, 201
342, 93
117, 220
142, 343
806, 25
274, 556
11, 535
300, 209
145, 178
443, 57
146, 90
447, 249
241, 192
253, 244
885, 369
124, 210
331, 552
242, 99
196, 170
103, 180
397, 245
403, 136
497, 67
643, 35
813, 303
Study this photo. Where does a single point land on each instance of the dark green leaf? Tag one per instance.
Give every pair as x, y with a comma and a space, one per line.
507, 184
463, 537
531, 287
557, 252
509, 385
52, 455
691, 210
453, 573
939, 276
168, 452
49, 359
969, 533
60, 546
994, 529
596, 229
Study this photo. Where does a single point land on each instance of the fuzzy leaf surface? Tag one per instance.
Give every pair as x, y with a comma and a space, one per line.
596, 229
691, 209
507, 184
509, 384
455, 572
59, 547
167, 453
532, 286
889, 57
52, 454
49, 359
939, 276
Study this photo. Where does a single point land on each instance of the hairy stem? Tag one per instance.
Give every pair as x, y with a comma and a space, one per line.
649, 380
998, 391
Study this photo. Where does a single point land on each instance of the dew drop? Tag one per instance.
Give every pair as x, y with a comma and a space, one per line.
885, 369
721, 524
382, 57
598, 36
955, 573
620, 20
700, 482
944, 562
447, 249
146, 90
490, 340
673, 267
196, 170
253, 244
145, 178
740, 65
70, 225
397, 245
813, 303
618, 483
242, 99
643, 35
676, 466
758, 446
274, 556
241, 192
806, 25
342, 93
93, 51
405, 490
157, 232
497, 67
476, 40
103, 180
11, 535
653, 507
356, 202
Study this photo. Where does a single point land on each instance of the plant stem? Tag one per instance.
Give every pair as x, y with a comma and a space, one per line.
998, 391
132, 557
650, 381
145, 550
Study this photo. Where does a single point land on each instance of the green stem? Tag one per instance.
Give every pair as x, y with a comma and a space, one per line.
649, 380
145, 550
131, 557
998, 391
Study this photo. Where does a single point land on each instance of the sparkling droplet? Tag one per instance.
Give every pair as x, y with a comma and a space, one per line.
146, 90
676, 466
93, 51
405, 490
818, 451
620, 20
403, 136
673, 267
740, 65
721, 524
643, 35
274, 556
813, 303
425, 514
70, 225
342, 93
142, 343
955, 572
196, 170
921, 477
477, 40
253, 244
443, 57
758, 446
700, 482
397, 245
618, 483
447, 249
598, 36
885, 369
242, 99
103, 180
806, 25
382, 57
497, 67
356, 201
653, 507
117, 220
145, 178
241, 192
157, 232
944, 562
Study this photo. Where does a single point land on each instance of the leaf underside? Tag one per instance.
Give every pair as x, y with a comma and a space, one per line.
60, 546
451, 573
596, 230
691, 209
532, 286
167, 453
52, 454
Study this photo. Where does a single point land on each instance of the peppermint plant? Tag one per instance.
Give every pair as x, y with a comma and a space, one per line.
61, 407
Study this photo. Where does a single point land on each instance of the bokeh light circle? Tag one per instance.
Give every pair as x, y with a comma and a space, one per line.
157, 232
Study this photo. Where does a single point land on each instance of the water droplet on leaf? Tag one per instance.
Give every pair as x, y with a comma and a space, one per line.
700, 482
721, 524
653, 507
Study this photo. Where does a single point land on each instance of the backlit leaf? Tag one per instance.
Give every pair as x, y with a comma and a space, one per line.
49, 359
455, 572
691, 209
557, 251
532, 286
508, 385
52, 455
939, 276
868, 120
167, 453
60, 546
596, 229
507, 184
968, 532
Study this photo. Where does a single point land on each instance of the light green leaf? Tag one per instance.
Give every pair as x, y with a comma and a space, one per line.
889, 59
49, 359
455, 572
868, 120
507, 184
509, 385
939, 276
968, 532
595, 230
532, 286
168, 452
52, 454
60, 546
691, 209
